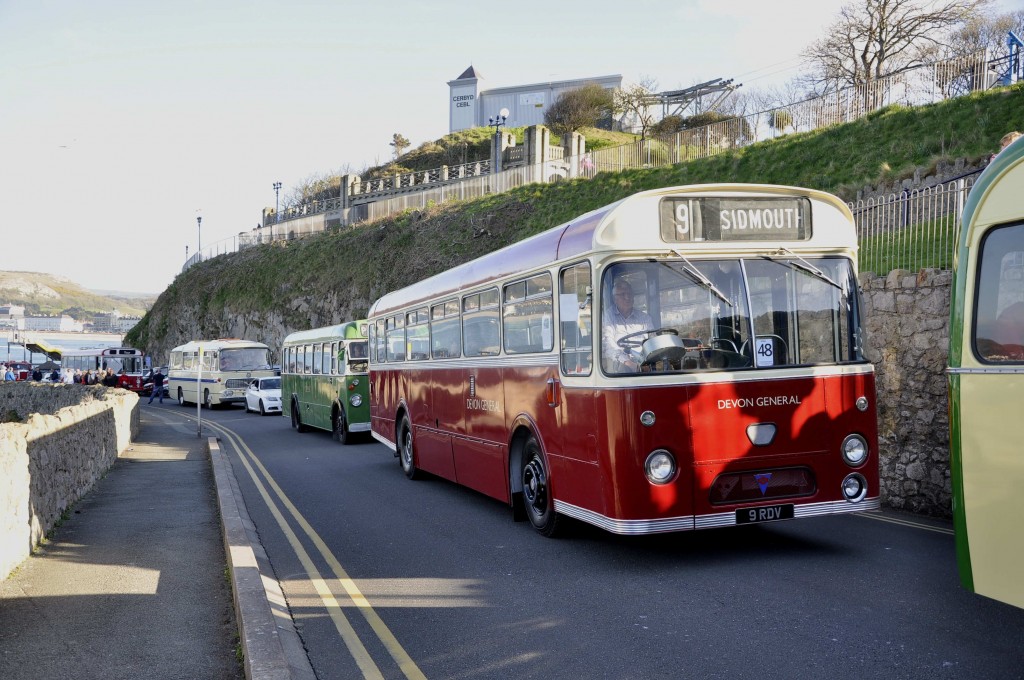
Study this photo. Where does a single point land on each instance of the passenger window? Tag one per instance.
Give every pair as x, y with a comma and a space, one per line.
574, 315
527, 316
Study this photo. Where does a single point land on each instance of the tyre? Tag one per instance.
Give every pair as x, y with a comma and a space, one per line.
339, 429
263, 410
406, 452
537, 500
207, 400
181, 397
297, 424
247, 409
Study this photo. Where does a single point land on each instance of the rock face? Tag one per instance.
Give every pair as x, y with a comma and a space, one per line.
907, 338
55, 442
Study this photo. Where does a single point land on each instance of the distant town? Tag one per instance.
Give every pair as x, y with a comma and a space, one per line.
13, 318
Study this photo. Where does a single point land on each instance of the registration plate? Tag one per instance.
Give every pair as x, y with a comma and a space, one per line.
765, 513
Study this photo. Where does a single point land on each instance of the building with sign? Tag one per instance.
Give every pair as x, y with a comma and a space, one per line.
470, 107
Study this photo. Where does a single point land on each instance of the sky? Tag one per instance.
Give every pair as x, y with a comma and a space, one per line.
122, 121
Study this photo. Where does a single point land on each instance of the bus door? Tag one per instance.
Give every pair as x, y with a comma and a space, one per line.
987, 391
572, 446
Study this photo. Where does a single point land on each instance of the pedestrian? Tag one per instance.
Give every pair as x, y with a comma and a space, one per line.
9, 375
54, 376
110, 379
158, 386
37, 375
1006, 140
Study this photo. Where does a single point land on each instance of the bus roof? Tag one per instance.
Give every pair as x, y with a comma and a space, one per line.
218, 344
993, 200
107, 351
613, 228
350, 330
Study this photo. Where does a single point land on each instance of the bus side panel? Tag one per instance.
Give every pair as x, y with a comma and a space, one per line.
480, 455
626, 444
385, 402
433, 446
992, 476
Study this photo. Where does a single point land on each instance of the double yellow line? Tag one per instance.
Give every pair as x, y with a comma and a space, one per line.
323, 586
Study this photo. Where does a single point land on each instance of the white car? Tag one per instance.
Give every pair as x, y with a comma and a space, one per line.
263, 395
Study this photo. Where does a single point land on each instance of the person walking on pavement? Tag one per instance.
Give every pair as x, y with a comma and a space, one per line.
158, 386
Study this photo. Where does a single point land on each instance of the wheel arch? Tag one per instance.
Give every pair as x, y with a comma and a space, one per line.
522, 428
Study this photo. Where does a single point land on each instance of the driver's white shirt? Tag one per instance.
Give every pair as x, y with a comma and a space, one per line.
616, 326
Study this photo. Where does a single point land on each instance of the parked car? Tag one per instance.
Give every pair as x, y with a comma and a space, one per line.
147, 382
263, 395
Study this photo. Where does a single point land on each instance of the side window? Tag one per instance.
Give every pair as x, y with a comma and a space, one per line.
395, 338
575, 318
334, 359
307, 360
317, 358
417, 334
445, 330
481, 335
527, 315
380, 341
326, 366
999, 310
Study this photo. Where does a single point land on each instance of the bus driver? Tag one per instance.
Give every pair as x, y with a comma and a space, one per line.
621, 319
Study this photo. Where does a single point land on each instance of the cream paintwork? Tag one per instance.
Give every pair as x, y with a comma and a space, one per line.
992, 429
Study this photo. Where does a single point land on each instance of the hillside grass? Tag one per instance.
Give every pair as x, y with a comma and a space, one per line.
335, 276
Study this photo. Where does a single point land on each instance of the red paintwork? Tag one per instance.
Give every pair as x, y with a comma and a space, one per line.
596, 445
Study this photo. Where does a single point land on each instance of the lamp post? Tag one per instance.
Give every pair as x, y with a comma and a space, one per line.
199, 226
277, 201
496, 122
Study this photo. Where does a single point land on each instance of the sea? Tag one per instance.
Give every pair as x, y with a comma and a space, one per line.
12, 346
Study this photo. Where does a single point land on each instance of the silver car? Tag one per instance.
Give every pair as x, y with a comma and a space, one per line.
263, 395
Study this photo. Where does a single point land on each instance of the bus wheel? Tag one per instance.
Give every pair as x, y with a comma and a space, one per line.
340, 429
181, 397
207, 400
406, 454
539, 505
297, 424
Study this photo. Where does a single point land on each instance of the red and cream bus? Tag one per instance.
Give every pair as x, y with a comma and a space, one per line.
685, 358
127, 363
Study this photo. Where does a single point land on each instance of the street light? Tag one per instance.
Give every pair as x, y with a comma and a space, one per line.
496, 146
497, 121
277, 201
199, 225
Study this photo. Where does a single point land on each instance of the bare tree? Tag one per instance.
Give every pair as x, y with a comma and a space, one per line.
579, 108
637, 101
400, 143
872, 39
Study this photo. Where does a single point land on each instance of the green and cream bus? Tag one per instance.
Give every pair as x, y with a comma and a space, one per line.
324, 381
215, 372
986, 383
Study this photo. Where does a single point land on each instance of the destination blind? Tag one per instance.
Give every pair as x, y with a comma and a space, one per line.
686, 220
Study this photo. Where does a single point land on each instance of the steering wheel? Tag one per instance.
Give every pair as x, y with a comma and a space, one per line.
634, 341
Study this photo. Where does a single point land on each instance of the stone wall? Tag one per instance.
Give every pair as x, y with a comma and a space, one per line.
56, 441
907, 335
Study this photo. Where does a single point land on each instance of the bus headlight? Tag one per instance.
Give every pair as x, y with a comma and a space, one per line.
855, 488
355, 399
854, 450
660, 467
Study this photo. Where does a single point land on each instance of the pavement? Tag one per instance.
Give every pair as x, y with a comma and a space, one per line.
156, 572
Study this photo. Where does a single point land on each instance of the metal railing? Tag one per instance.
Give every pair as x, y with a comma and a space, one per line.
912, 229
926, 84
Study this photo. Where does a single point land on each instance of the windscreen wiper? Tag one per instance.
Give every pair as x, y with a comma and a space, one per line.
699, 278
803, 265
